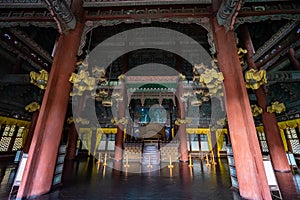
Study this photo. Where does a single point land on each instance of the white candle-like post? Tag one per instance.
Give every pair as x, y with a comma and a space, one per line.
105, 158
149, 165
191, 171
98, 167
99, 158
213, 158
190, 161
207, 161
104, 170
126, 161
170, 163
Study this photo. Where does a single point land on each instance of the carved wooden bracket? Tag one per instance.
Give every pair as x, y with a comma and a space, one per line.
228, 11
62, 14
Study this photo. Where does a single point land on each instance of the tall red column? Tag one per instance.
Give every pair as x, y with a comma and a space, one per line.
184, 154
247, 156
72, 142
271, 129
34, 118
294, 62
39, 169
120, 129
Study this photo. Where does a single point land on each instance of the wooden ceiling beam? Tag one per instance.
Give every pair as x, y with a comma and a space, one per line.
26, 48
278, 50
268, 10
283, 76
15, 79
271, 50
250, 12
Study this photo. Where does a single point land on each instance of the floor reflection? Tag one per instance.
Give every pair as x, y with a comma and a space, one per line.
197, 182
85, 179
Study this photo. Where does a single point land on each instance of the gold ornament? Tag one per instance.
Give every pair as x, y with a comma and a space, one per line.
179, 122
39, 79
107, 102
256, 110
122, 121
181, 76
242, 52
82, 82
254, 79
122, 77
196, 102
34, 106
99, 74
70, 120
276, 107
210, 78
82, 121
222, 122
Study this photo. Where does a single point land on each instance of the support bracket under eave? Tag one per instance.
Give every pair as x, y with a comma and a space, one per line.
283, 77
228, 11
62, 14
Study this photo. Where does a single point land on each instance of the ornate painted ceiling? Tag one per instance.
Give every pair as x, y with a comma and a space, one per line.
30, 28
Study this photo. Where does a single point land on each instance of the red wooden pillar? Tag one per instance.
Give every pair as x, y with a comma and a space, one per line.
120, 128
248, 159
72, 142
287, 185
185, 175
39, 169
294, 62
184, 154
271, 129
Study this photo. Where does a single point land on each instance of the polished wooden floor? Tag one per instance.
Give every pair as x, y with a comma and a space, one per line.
83, 179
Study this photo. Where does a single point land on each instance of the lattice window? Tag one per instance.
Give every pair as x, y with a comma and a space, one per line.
20, 131
195, 137
17, 144
18, 141
12, 130
194, 142
263, 142
112, 137
291, 135
203, 137
6, 130
4, 144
